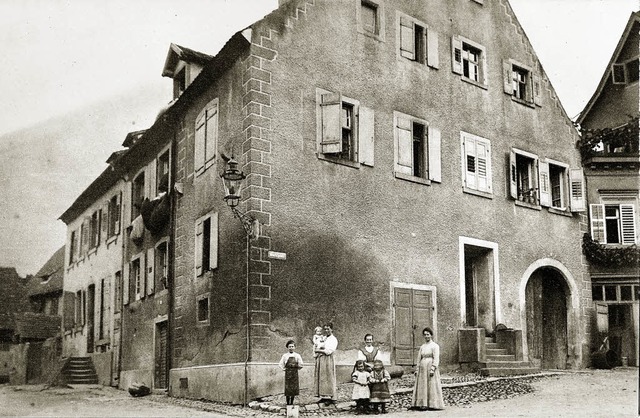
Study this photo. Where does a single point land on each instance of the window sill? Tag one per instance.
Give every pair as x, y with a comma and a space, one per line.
558, 211
203, 323
477, 193
412, 179
201, 170
111, 240
475, 83
341, 161
524, 102
92, 251
528, 205
377, 36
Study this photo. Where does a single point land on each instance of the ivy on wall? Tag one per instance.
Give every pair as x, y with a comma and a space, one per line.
605, 256
596, 141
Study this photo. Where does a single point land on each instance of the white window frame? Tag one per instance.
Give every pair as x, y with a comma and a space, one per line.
532, 83
114, 217
158, 177
460, 49
162, 271
206, 138
143, 189
379, 33
530, 197
626, 221
206, 321
431, 150
563, 183
470, 182
199, 269
139, 279
423, 52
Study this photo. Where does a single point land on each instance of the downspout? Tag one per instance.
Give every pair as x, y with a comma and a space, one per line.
248, 330
122, 279
170, 266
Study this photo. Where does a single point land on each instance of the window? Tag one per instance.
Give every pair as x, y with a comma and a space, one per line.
370, 18
180, 82
206, 137
162, 175
206, 257
114, 215
476, 164
79, 308
524, 177
521, 83
633, 70
469, 60
137, 195
136, 277
417, 149
162, 265
417, 42
613, 223
626, 293
73, 247
102, 315
345, 130
625, 72
95, 230
203, 309
117, 298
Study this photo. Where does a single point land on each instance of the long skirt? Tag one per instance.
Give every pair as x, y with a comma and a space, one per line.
324, 377
380, 392
427, 391
291, 383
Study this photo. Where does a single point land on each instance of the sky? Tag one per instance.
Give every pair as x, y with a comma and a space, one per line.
61, 55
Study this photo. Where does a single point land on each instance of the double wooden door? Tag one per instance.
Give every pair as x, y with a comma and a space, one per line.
413, 311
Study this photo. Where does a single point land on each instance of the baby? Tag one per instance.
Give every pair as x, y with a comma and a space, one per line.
318, 340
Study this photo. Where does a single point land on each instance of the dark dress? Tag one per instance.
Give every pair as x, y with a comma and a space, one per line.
380, 390
291, 383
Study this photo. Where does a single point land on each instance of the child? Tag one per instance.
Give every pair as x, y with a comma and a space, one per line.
379, 387
318, 340
290, 363
360, 378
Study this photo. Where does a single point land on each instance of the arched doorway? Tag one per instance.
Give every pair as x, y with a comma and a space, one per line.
547, 298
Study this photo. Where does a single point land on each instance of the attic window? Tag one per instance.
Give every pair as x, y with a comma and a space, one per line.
179, 82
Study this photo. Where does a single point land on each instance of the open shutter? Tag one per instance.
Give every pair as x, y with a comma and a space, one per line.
507, 77
76, 245
627, 219
484, 166
150, 271
86, 234
537, 90
407, 38
513, 175
213, 241
83, 306
69, 306
198, 252
435, 161
366, 135
598, 225
470, 162
104, 221
143, 276
126, 283
117, 213
432, 49
545, 184
331, 141
530, 87
211, 133
483, 68
199, 143
404, 160
456, 55
576, 181
150, 179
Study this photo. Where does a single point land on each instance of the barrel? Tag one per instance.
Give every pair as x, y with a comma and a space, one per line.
604, 359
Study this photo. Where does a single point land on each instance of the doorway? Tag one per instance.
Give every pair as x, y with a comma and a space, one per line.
413, 308
479, 287
91, 297
160, 369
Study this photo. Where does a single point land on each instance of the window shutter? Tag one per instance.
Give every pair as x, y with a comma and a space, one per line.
618, 74
513, 176
150, 179
483, 166
545, 184
507, 77
404, 160
602, 317
198, 251
104, 221
83, 306
598, 225
407, 39
118, 213
483, 68
435, 161
150, 272
76, 248
366, 135
456, 51
211, 133
331, 106
69, 305
530, 86
576, 180
86, 234
432, 49
126, 283
199, 143
627, 219
213, 242
470, 162
143, 276
537, 90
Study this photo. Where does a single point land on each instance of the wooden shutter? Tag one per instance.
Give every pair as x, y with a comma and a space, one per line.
483, 149
117, 213
544, 183
507, 77
211, 133
628, 223
407, 38
576, 181
150, 271
213, 241
331, 109
199, 143
86, 235
470, 162
198, 248
434, 157
432, 49
150, 179
537, 90
513, 175
69, 306
483, 78
126, 283
529, 93
598, 225
366, 125
104, 221
456, 54
404, 160
76, 246
602, 317
143, 275
83, 306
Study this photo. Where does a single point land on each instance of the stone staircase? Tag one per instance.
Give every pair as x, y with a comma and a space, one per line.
79, 371
500, 363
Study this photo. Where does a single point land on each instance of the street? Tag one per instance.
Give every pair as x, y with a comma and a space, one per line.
588, 393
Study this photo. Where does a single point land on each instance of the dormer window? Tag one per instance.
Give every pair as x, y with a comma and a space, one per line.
180, 83
183, 65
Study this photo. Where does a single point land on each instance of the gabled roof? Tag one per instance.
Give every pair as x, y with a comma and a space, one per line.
634, 18
133, 137
37, 326
49, 278
180, 53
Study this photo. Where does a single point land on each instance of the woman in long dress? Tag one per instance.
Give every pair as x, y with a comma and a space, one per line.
325, 371
290, 363
427, 391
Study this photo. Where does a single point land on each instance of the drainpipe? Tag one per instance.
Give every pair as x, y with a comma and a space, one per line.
171, 257
248, 330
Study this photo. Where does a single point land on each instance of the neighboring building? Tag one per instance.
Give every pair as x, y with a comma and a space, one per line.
611, 160
12, 300
93, 274
416, 167
44, 290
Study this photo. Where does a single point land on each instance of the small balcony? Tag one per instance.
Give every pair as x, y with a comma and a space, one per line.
611, 146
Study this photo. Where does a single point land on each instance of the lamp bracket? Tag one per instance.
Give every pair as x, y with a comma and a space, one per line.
251, 226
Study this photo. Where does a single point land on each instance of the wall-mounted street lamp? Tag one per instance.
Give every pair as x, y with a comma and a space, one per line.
232, 179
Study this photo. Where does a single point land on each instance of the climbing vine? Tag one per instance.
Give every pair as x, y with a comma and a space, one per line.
602, 255
625, 136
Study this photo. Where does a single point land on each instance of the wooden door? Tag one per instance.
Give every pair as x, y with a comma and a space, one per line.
160, 370
413, 311
91, 298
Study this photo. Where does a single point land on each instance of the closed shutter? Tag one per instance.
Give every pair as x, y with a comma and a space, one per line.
150, 178
507, 77
211, 133
126, 205
366, 124
126, 283
545, 184
598, 225
198, 249
199, 143
627, 219
456, 52
576, 182
69, 306
104, 221
86, 235
404, 160
537, 90
407, 39
76, 245
107, 306
432, 49
470, 162
117, 213
213, 242
331, 109
434, 157
150, 271
484, 165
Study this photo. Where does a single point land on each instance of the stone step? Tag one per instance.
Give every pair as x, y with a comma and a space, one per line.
506, 364
513, 371
488, 339
501, 357
496, 351
491, 345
